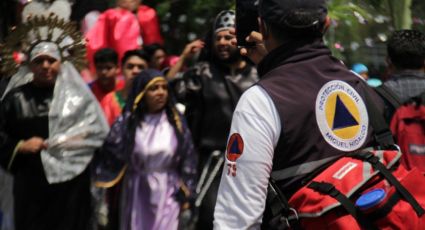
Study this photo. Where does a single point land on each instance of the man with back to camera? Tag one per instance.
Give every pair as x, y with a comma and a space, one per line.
402, 94
304, 112
406, 61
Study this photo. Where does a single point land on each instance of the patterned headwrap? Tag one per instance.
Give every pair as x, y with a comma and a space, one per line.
111, 161
224, 20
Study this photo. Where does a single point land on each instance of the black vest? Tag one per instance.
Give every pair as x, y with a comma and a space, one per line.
292, 75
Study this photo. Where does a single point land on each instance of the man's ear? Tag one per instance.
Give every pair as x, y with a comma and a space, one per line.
264, 29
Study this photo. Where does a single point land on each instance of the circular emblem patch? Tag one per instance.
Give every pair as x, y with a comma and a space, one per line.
341, 116
234, 147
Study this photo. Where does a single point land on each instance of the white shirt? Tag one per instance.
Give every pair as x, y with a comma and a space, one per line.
242, 196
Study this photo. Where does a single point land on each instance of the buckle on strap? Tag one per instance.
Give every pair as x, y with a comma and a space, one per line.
325, 188
285, 219
365, 156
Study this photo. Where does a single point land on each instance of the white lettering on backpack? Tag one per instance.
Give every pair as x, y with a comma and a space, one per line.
344, 170
417, 149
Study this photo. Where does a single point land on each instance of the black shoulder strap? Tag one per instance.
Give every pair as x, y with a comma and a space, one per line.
383, 134
377, 165
389, 95
279, 208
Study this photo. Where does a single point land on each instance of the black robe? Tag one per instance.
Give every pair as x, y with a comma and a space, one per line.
210, 90
38, 204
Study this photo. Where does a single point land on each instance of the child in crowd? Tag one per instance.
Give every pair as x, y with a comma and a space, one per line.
107, 69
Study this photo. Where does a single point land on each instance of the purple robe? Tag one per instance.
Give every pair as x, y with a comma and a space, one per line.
152, 178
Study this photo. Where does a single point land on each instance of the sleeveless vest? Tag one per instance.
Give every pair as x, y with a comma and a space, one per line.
293, 83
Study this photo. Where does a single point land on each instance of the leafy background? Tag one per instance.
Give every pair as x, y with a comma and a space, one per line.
358, 31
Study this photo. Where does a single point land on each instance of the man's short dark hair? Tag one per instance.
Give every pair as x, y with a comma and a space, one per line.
288, 19
130, 53
152, 48
106, 55
298, 24
406, 49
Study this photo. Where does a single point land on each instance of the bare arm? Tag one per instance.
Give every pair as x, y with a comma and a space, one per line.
188, 52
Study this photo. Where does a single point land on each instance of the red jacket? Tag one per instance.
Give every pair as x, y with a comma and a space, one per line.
119, 29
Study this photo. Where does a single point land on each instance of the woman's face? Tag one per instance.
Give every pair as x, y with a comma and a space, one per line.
157, 96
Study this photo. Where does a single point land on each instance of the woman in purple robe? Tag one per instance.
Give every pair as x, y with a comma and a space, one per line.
151, 149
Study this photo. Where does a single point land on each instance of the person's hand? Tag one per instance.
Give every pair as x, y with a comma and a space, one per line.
188, 52
192, 48
32, 145
255, 53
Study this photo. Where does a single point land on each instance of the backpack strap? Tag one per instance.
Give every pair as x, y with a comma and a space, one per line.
330, 190
382, 131
389, 95
377, 165
279, 208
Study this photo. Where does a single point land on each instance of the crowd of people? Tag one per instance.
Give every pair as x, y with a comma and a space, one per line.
141, 139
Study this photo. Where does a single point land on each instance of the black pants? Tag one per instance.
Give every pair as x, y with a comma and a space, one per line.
43, 206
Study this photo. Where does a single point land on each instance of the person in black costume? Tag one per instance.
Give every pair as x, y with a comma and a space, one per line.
50, 125
211, 91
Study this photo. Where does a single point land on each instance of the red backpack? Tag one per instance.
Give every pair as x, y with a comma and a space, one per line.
366, 189
408, 127
352, 194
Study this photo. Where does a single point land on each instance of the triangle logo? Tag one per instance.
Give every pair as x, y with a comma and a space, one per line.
234, 149
343, 118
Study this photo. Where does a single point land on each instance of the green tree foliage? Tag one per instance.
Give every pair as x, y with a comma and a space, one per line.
358, 31
360, 28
